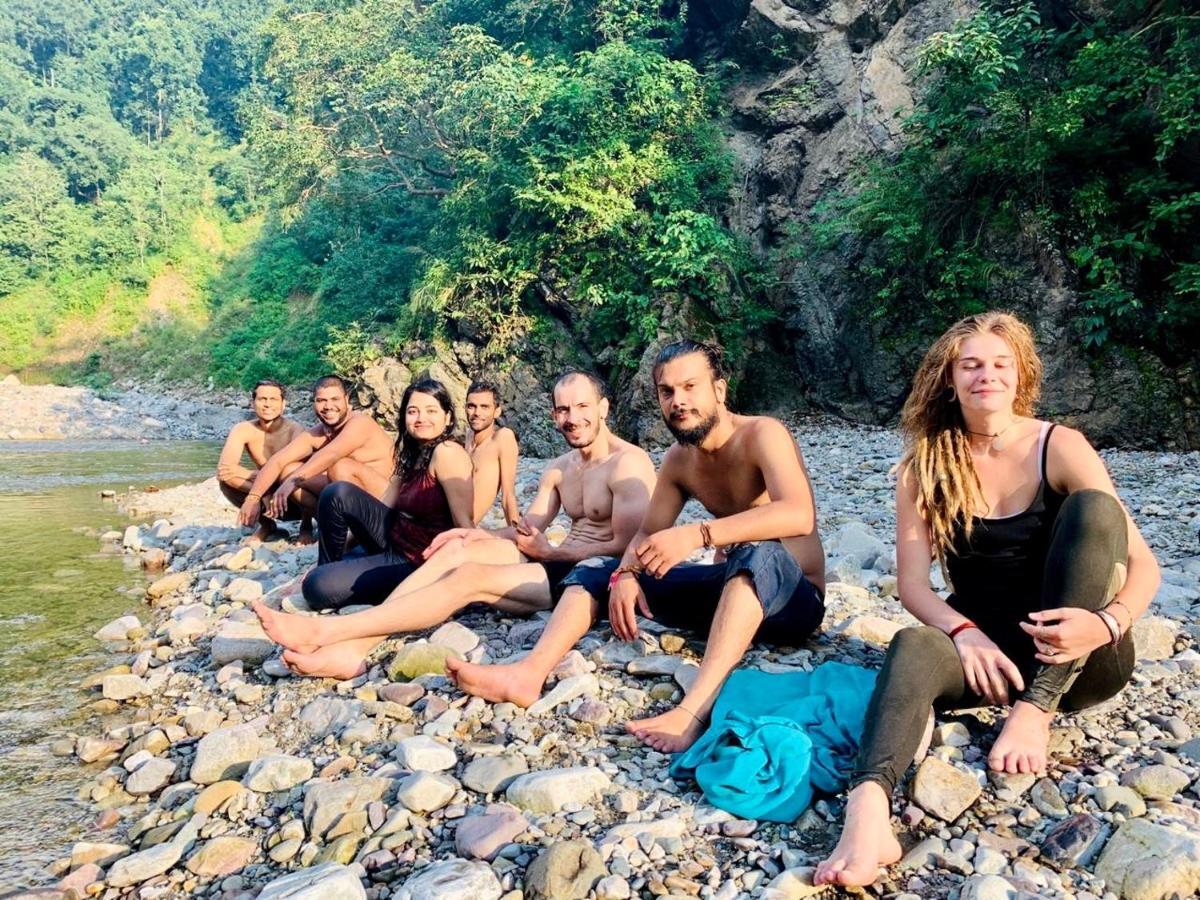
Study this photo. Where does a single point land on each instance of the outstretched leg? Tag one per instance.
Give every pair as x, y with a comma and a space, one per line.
921, 668
867, 841
521, 682
498, 552
734, 624
478, 580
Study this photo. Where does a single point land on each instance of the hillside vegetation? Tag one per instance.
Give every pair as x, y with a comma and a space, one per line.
245, 188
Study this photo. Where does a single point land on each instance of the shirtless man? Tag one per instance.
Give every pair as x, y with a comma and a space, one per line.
493, 452
767, 584
262, 437
342, 446
603, 483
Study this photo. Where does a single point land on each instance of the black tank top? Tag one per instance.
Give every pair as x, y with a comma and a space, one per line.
996, 574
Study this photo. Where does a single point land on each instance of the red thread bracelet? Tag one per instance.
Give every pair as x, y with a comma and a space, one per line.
621, 570
962, 627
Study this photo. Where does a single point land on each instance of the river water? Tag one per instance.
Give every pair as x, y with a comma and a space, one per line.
56, 589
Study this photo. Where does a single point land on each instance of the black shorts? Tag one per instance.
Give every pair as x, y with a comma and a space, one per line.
687, 596
557, 572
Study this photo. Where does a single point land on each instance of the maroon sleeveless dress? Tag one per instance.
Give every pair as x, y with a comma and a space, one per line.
420, 514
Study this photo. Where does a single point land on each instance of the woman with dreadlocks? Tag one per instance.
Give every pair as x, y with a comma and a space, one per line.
1047, 572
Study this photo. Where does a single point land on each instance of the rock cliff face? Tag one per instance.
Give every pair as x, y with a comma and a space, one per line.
823, 86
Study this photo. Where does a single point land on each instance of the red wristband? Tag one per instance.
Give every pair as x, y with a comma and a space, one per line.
962, 627
612, 579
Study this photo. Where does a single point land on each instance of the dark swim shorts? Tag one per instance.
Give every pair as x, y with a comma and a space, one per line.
557, 573
687, 596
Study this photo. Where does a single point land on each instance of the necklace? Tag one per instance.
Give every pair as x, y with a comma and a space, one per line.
997, 444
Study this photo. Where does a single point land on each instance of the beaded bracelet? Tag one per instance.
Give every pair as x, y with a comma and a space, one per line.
706, 536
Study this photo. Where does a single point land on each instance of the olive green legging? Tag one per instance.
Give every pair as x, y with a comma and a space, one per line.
922, 669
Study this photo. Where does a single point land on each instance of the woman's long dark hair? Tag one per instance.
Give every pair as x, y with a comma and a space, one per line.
412, 455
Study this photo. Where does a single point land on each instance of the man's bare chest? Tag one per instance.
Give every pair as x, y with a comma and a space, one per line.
586, 493
726, 491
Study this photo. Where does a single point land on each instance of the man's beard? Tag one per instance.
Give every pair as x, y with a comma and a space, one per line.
336, 423
579, 440
476, 429
694, 435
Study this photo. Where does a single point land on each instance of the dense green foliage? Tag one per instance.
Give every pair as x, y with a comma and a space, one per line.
323, 180
249, 188
482, 166
1080, 139
118, 155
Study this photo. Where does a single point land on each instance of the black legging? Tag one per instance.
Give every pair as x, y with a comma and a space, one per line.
922, 669
345, 508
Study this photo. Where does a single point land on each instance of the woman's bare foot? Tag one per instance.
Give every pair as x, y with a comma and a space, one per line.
1021, 746
672, 732
512, 683
295, 632
867, 842
338, 661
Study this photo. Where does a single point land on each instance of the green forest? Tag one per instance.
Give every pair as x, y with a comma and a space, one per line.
238, 189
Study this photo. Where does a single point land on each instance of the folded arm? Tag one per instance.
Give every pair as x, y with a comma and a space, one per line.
229, 465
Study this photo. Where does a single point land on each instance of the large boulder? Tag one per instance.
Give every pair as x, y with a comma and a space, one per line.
381, 387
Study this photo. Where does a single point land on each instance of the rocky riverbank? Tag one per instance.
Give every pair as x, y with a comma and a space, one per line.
130, 412
218, 775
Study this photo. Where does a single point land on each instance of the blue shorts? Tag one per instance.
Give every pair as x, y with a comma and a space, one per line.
687, 596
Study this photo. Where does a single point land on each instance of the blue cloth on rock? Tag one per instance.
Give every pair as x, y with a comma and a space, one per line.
775, 738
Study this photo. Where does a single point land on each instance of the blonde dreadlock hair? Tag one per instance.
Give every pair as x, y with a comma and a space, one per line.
937, 445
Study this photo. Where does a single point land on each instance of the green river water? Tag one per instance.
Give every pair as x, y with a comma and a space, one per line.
56, 589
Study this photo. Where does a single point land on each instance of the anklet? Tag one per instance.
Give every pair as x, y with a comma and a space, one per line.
689, 712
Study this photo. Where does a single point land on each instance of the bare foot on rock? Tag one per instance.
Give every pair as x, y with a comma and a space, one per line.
1021, 746
672, 732
291, 630
867, 842
338, 661
264, 532
305, 536
511, 683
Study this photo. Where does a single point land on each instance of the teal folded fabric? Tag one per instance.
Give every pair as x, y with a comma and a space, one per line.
775, 738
